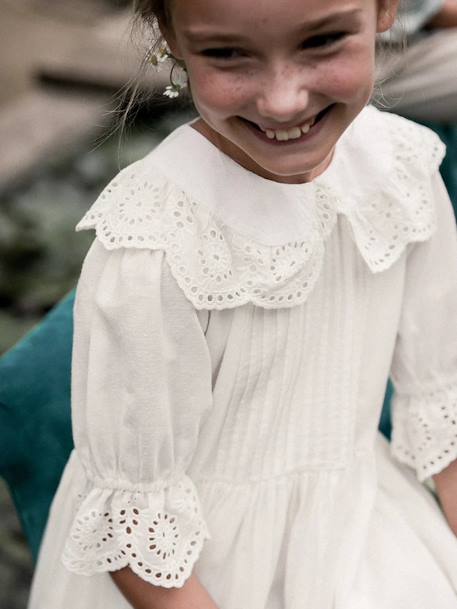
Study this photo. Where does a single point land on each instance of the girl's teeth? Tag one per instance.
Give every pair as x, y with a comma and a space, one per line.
291, 134
295, 133
282, 136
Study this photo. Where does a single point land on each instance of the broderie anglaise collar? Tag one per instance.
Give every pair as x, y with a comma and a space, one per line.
219, 263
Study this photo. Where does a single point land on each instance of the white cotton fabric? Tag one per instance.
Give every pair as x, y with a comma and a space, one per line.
233, 340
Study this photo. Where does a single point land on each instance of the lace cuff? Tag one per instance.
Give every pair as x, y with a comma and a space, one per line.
425, 430
159, 533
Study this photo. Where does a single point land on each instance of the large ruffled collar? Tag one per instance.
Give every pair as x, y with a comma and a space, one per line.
231, 237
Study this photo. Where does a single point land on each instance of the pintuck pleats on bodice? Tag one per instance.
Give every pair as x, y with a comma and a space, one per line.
286, 384
281, 445
234, 337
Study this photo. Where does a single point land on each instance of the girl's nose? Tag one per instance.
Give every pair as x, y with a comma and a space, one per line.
283, 96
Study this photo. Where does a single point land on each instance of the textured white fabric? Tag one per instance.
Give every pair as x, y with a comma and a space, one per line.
238, 437
139, 357
225, 250
425, 407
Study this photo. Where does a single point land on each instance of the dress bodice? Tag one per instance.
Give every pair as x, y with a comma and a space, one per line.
234, 337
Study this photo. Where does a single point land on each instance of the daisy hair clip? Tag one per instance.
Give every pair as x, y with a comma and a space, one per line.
178, 75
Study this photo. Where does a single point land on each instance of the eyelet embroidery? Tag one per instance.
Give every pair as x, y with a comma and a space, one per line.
403, 211
425, 430
215, 266
158, 534
218, 267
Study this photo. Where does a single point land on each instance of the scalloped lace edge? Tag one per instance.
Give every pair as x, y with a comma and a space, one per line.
113, 529
218, 268
155, 575
215, 266
424, 434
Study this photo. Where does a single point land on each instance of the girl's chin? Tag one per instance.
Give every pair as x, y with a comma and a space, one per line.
286, 165
291, 176
286, 170
286, 173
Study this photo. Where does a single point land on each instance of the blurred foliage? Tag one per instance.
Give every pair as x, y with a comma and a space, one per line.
40, 253
16, 566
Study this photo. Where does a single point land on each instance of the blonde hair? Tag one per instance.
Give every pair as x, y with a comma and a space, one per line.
148, 16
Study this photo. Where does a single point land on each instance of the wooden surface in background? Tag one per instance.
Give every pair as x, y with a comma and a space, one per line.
82, 46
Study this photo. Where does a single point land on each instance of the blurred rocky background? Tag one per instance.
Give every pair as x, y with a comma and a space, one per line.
63, 66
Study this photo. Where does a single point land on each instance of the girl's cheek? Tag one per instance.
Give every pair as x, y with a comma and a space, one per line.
348, 77
220, 90
344, 78
350, 71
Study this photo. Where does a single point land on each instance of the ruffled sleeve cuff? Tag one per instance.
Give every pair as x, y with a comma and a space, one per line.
425, 430
158, 533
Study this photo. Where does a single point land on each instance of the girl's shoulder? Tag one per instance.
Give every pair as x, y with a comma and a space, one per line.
231, 237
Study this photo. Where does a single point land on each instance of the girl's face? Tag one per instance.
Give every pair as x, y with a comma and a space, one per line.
277, 82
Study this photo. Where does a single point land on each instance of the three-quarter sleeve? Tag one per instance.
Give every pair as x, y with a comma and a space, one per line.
141, 386
424, 371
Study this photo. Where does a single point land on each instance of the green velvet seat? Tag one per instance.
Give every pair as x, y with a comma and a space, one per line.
35, 426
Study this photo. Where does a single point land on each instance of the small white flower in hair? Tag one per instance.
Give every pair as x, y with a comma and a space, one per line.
178, 82
172, 91
178, 74
160, 56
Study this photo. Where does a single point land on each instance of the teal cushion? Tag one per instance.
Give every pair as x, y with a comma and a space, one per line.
385, 423
35, 424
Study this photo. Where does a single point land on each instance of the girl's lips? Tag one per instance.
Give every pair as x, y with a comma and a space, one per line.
320, 120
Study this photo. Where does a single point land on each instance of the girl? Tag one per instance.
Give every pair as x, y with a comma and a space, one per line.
253, 282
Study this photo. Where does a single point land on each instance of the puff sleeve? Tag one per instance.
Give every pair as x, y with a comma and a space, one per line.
141, 386
424, 371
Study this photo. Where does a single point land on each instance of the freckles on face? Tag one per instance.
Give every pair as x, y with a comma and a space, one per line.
347, 79
219, 95
277, 66
222, 97
351, 73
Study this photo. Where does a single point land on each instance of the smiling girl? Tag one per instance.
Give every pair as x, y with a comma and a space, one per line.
254, 281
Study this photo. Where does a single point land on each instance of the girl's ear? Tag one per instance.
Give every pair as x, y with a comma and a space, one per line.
387, 12
170, 38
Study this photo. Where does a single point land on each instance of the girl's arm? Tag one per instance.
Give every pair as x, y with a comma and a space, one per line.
446, 489
425, 361
142, 595
446, 18
141, 385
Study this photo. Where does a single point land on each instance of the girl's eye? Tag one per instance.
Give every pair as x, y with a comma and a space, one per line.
222, 53
320, 41
323, 41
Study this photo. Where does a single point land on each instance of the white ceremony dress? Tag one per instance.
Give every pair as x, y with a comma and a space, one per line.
233, 340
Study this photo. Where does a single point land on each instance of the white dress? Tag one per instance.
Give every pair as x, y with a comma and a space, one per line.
233, 341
